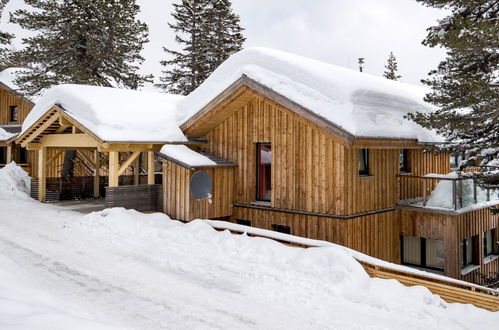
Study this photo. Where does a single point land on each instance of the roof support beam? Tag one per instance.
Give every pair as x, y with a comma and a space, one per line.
128, 162
69, 141
40, 130
114, 167
54, 157
150, 167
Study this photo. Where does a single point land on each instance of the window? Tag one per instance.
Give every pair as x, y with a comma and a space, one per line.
243, 222
13, 113
468, 252
23, 156
264, 172
423, 252
281, 228
363, 162
488, 243
404, 161
455, 160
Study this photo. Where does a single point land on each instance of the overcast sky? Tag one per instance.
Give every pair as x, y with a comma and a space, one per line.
334, 31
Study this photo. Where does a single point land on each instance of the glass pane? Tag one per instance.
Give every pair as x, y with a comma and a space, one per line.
435, 253
264, 172
467, 250
488, 242
412, 250
363, 162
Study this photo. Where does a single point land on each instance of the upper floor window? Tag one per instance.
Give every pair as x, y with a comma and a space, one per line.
455, 160
363, 162
468, 251
13, 113
264, 172
488, 243
404, 161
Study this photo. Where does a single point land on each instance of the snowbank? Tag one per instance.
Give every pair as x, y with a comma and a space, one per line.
364, 105
114, 115
186, 155
24, 305
14, 182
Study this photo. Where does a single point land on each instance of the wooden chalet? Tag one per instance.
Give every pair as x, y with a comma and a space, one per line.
289, 167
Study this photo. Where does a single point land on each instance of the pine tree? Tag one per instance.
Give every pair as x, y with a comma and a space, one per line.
209, 33
465, 86
391, 68
94, 42
5, 40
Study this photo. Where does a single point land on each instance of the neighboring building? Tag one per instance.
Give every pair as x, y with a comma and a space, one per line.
285, 143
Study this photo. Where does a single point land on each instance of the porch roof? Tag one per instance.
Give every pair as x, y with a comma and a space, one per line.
190, 159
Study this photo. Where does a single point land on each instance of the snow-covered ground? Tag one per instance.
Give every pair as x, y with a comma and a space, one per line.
119, 268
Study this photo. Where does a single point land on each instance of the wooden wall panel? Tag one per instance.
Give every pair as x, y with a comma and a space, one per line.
7, 99
376, 235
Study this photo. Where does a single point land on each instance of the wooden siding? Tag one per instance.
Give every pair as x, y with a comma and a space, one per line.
178, 203
376, 235
9, 98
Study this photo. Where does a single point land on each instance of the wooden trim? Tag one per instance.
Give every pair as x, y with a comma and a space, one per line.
324, 215
34, 134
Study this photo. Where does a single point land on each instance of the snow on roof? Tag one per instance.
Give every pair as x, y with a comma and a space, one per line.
361, 104
114, 115
186, 155
8, 76
4, 135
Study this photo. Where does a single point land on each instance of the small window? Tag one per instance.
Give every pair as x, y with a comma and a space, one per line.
468, 252
423, 252
363, 162
243, 222
264, 172
13, 113
281, 229
404, 161
488, 243
455, 160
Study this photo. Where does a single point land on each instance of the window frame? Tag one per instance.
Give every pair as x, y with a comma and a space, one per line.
422, 254
364, 156
464, 255
493, 235
13, 113
281, 228
258, 146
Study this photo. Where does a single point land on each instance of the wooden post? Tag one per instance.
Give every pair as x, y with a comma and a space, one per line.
96, 173
8, 160
114, 167
136, 171
42, 173
150, 167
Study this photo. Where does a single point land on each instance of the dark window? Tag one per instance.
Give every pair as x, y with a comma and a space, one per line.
488, 243
281, 228
423, 252
404, 161
455, 160
468, 252
363, 162
13, 113
23, 156
264, 172
243, 222
3, 155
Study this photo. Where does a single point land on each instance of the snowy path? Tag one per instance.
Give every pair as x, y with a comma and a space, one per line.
139, 271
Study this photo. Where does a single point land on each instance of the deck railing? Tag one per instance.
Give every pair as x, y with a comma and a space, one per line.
450, 290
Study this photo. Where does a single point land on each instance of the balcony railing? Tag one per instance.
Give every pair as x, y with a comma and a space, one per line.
442, 191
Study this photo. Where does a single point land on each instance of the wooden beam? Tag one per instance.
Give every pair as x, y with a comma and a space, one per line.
39, 130
114, 167
64, 122
61, 129
136, 170
130, 147
33, 146
89, 159
69, 140
42, 173
9, 154
128, 162
96, 174
150, 167
54, 157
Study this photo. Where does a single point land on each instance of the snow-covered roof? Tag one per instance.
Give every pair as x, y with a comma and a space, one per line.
114, 115
359, 103
6, 135
186, 157
8, 76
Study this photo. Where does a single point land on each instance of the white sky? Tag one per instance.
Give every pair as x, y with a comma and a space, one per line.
334, 31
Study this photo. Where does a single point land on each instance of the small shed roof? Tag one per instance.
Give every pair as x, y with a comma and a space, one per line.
112, 114
9, 132
188, 158
360, 104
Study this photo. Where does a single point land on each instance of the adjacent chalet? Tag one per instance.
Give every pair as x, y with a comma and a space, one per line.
286, 143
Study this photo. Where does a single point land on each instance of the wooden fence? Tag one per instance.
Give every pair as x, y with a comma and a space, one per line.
450, 290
